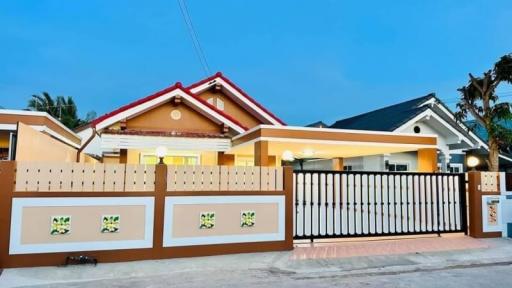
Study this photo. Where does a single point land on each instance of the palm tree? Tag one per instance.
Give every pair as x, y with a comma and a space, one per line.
62, 108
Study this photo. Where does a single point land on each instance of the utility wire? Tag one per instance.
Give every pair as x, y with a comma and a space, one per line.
193, 35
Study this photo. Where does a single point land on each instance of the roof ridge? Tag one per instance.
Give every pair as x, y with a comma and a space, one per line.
237, 88
386, 107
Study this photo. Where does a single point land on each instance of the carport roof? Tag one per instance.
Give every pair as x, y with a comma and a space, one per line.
328, 142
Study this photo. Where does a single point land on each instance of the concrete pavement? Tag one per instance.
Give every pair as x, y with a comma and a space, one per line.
489, 264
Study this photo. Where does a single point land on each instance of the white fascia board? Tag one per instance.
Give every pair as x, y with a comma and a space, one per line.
136, 109
216, 115
332, 130
335, 142
237, 94
40, 114
462, 125
165, 97
429, 113
9, 127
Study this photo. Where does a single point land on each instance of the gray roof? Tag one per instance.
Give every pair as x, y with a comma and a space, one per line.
318, 124
385, 119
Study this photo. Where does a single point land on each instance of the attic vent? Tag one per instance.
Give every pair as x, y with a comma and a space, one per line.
219, 104
417, 129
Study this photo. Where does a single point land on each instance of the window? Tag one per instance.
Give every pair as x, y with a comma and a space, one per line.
456, 168
172, 159
398, 167
4, 154
347, 168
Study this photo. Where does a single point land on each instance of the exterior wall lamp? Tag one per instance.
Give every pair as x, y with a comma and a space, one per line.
161, 152
472, 162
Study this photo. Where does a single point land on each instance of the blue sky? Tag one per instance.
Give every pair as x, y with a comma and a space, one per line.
304, 60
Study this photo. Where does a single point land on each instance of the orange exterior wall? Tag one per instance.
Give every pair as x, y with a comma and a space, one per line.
427, 160
232, 108
33, 145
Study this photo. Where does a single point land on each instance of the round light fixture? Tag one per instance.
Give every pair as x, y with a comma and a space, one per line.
472, 161
287, 156
161, 152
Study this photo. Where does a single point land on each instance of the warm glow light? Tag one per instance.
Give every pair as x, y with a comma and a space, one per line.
287, 155
308, 152
161, 151
473, 161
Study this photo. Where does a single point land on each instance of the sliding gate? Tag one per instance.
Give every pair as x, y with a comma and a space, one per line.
332, 204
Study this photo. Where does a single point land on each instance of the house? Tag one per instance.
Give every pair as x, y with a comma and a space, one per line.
423, 115
214, 122
35, 136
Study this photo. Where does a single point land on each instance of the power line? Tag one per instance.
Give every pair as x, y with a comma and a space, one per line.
193, 35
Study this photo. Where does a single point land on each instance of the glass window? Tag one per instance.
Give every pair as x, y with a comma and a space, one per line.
455, 168
347, 168
398, 167
4, 153
171, 160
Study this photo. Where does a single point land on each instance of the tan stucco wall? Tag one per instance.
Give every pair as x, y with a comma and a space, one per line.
39, 121
233, 109
84, 158
85, 224
33, 145
227, 219
159, 119
110, 160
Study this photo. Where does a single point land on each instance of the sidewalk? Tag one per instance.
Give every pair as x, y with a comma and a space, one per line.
317, 261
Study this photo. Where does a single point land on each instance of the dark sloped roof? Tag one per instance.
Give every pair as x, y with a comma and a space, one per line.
385, 119
318, 124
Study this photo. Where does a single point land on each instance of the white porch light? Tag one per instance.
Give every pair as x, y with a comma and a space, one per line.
161, 152
472, 161
287, 155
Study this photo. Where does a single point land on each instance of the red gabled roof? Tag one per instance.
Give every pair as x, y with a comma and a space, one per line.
177, 85
242, 92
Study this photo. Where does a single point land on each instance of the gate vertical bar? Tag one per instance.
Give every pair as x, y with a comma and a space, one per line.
463, 203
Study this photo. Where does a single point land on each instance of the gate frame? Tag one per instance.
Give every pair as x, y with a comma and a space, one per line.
462, 202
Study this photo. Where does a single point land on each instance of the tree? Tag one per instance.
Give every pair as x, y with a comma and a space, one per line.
479, 100
62, 108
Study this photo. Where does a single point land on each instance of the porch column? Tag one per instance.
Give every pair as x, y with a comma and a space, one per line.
337, 164
427, 160
123, 156
261, 153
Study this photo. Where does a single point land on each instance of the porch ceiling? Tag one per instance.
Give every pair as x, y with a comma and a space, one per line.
329, 143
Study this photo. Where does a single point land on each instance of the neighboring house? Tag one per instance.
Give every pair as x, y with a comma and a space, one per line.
39, 128
425, 115
214, 122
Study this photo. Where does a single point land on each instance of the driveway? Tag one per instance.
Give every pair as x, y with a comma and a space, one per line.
476, 263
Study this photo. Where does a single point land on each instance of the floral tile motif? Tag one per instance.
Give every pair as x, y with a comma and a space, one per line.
207, 220
110, 223
60, 225
248, 219
492, 214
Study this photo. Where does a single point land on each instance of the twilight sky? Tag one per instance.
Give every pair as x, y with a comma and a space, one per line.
304, 60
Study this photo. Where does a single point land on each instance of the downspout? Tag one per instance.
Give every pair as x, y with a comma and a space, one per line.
93, 134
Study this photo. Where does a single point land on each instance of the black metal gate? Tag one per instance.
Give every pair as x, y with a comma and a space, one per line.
331, 204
